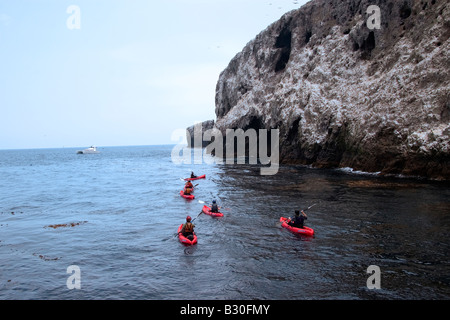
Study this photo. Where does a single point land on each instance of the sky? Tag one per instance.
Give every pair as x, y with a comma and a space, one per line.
117, 72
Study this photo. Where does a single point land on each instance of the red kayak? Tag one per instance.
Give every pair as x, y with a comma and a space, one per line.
305, 231
207, 210
196, 178
186, 196
185, 240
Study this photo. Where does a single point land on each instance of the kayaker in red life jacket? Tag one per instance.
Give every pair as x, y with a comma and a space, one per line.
214, 207
188, 229
188, 188
299, 220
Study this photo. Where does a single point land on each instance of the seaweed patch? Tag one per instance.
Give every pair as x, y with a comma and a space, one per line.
65, 225
44, 257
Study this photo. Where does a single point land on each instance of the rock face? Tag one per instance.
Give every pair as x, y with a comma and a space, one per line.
194, 134
345, 95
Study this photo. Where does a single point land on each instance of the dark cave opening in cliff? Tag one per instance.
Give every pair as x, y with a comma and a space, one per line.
405, 11
283, 59
308, 36
284, 39
283, 42
294, 130
368, 45
254, 123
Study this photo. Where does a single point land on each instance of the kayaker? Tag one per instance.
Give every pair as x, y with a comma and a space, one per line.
188, 228
299, 219
214, 207
187, 191
193, 175
189, 185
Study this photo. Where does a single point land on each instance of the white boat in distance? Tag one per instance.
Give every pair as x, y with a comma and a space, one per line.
91, 150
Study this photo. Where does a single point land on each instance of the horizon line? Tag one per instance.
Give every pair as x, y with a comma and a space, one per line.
105, 146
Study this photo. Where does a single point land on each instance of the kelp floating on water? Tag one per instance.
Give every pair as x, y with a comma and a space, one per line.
65, 225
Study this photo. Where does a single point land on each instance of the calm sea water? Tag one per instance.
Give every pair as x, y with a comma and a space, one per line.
114, 215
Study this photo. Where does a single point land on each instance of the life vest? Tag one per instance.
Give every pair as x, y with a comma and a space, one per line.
187, 191
188, 227
214, 208
298, 221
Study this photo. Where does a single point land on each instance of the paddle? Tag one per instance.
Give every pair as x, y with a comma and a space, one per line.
186, 181
197, 216
289, 219
310, 207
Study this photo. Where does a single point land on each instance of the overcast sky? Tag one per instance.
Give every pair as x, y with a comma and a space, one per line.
131, 74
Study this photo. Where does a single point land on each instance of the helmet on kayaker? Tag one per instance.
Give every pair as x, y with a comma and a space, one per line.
214, 201
188, 218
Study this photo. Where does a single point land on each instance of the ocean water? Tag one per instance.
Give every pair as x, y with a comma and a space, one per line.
114, 215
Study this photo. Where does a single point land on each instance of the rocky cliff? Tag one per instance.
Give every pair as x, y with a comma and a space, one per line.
195, 134
343, 94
